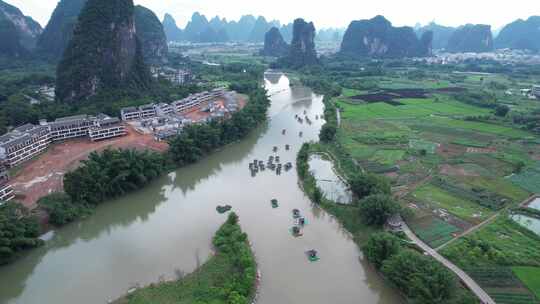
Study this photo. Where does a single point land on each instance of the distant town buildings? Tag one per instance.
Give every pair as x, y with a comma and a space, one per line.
25, 142
175, 76
507, 56
47, 92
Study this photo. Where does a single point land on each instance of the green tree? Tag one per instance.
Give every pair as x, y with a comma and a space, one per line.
381, 246
328, 132
19, 231
502, 110
364, 184
317, 195
376, 209
61, 208
420, 277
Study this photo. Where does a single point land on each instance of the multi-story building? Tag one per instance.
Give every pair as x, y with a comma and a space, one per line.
195, 100
28, 140
105, 127
6, 191
142, 112
23, 143
70, 127
163, 109
147, 111
536, 91
181, 77
130, 113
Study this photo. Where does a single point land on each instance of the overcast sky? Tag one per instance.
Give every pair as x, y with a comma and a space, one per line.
331, 13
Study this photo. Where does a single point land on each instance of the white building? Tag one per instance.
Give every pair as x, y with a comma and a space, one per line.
23, 143
536, 91
69, 127
28, 140
106, 127
195, 100
6, 191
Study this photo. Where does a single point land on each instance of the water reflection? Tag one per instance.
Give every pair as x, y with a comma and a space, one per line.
535, 204
533, 224
332, 186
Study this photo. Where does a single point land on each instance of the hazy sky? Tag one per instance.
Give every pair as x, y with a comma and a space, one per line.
330, 13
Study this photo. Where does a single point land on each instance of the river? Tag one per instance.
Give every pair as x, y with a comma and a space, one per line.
168, 226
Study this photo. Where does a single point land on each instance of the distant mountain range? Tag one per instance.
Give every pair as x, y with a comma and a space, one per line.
21, 36
247, 29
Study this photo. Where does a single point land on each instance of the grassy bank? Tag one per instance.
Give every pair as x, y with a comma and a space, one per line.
227, 277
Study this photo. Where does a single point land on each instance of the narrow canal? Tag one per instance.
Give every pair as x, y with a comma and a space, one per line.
167, 227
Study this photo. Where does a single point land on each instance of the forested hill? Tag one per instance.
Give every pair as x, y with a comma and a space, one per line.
104, 53
151, 34
59, 29
378, 38
441, 34
475, 38
520, 34
18, 33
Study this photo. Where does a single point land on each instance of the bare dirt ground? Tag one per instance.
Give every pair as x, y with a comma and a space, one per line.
44, 174
481, 150
455, 171
450, 150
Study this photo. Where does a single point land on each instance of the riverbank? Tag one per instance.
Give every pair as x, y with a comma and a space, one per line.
229, 276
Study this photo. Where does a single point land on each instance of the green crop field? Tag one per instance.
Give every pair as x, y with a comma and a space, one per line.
439, 198
503, 242
411, 108
388, 157
500, 186
350, 92
479, 127
502, 285
530, 276
529, 179
433, 231
419, 144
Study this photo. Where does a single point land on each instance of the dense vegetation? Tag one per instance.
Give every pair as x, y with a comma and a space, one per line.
227, 277
151, 35
378, 38
18, 231
112, 173
101, 58
62, 209
302, 51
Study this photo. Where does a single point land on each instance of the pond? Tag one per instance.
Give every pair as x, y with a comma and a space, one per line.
528, 222
331, 184
535, 204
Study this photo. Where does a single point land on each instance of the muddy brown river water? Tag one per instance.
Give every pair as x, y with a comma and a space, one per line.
167, 227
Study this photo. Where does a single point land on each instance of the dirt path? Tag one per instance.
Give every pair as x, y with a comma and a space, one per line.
464, 277
44, 174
